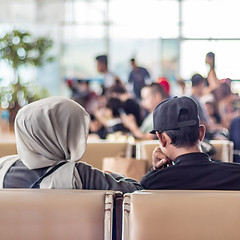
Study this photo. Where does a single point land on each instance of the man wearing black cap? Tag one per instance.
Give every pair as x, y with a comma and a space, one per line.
178, 162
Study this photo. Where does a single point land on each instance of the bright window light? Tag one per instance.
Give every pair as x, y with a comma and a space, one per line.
211, 19
143, 19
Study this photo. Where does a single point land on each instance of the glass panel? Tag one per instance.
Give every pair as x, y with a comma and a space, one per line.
50, 11
72, 32
12, 11
68, 9
78, 60
82, 44
89, 12
169, 62
211, 19
5, 12
79, 57
143, 19
122, 50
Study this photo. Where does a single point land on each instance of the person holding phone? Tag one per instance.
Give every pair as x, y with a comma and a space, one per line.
179, 163
213, 81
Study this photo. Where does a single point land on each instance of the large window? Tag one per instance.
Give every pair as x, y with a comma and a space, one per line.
210, 19
168, 37
226, 57
143, 19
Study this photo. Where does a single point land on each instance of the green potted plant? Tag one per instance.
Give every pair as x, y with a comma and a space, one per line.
20, 49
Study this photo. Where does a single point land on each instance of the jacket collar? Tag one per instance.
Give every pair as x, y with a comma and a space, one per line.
192, 158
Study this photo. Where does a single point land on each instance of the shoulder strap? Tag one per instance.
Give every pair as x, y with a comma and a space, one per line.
36, 184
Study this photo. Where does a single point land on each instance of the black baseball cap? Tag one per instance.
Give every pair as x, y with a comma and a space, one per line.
166, 114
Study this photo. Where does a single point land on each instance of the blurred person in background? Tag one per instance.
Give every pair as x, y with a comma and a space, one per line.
216, 129
152, 95
214, 116
182, 85
102, 67
227, 103
129, 104
138, 77
198, 86
165, 84
96, 129
213, 130
212, 80
235, 138
82, 94
109, 116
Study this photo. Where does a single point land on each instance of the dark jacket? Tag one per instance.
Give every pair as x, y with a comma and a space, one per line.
194, 171
235, 137
19, 176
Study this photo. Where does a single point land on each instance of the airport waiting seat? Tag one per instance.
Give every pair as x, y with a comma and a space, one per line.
7, 148
28, 214
224, 150
97, 150
182, 215
146, 149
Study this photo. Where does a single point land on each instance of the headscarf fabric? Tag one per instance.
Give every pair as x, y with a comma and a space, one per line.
50, 131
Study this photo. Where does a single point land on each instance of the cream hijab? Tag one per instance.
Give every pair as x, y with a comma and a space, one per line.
51, 130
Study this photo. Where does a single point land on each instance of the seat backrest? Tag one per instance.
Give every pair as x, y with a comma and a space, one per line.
182, 215
7, 148
56, 214
129, 167
146, 150
95, 151
224, 150
98, 150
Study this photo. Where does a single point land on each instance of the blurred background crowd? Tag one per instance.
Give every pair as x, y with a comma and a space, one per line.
120, 59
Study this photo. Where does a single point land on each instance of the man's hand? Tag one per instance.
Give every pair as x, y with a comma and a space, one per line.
159, 159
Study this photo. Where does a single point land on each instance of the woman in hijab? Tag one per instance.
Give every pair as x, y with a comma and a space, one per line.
51, 138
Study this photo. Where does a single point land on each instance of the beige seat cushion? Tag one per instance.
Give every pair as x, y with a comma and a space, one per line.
182, 215
98, 150
129, 167
55, 214
146, 150
224, 150
7, 148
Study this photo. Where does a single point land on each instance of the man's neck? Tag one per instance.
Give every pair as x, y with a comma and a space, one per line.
181, 151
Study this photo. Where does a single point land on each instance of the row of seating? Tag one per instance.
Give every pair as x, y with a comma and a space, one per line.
224, 150
106, 215
100, 153
99, 149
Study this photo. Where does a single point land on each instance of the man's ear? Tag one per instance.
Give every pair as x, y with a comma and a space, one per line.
162, 138
202, 130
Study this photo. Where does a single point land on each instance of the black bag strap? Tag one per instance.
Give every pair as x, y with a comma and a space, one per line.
36, 184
